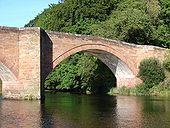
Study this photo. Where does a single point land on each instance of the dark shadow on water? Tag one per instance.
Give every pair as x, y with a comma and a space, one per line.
74, 110
46, 119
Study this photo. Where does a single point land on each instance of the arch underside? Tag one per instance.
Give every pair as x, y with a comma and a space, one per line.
117, 66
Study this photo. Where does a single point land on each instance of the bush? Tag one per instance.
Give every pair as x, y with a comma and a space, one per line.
151, 72
166, 83
160, 90
124, 90
166, 62
142, 89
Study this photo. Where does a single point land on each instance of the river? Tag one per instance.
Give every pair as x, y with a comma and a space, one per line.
65, 110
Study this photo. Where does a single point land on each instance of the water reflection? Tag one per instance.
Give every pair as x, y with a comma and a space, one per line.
19, 114
82, 111
156, 112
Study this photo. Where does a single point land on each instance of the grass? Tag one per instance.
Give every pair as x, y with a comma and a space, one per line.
142, 90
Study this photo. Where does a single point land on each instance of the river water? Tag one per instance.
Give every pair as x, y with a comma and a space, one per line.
64, 110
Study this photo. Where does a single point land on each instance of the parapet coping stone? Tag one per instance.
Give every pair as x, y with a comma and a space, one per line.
83, 37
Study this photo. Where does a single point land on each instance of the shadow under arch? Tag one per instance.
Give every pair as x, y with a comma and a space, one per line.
102, 80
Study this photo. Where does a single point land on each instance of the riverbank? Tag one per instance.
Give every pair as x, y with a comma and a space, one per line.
64, 91
163, 89
155, 77
0, 87
140, 90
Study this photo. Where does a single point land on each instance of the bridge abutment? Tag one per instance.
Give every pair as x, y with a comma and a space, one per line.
26, 84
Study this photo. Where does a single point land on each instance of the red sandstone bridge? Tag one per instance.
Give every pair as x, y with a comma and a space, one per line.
28, 55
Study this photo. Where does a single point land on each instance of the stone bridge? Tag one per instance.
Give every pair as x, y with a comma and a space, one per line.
28, 55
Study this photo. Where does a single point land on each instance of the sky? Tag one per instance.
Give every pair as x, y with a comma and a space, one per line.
17, 13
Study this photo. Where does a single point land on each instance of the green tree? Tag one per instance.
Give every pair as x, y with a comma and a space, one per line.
73, 15
133, 21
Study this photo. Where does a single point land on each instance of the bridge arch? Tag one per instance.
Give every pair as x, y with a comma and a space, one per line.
101, 47
122, 67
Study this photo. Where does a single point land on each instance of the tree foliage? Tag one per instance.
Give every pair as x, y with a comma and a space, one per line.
134, 21
81, 72
74, 16
166, 62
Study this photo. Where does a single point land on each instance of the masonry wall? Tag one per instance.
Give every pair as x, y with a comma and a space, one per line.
29, 63
9, 49
20, 56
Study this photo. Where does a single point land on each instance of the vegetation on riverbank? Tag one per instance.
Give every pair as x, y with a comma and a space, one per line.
155, 76
134, 21
0, 87
140, 90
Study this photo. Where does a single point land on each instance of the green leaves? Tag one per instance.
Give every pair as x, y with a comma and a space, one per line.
75, 16
128, 25
133, 21
83, 72
165, 11
166, 62
76, 71
151, 71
